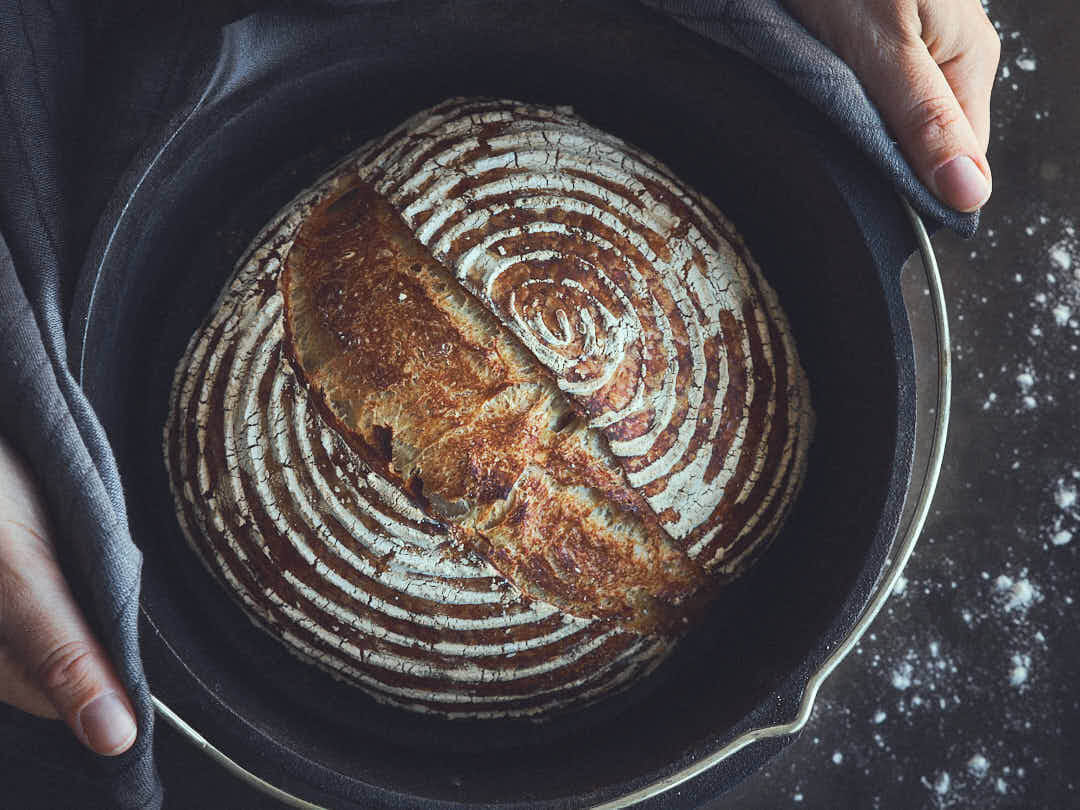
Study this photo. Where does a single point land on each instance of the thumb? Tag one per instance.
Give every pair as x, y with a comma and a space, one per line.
63, 665
935, 135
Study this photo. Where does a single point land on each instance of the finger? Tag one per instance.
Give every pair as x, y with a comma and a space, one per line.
50, 663
973, 96
927, 119
16, 689
967, 48
44, 632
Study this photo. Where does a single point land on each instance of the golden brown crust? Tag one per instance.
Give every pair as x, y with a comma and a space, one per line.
438, 396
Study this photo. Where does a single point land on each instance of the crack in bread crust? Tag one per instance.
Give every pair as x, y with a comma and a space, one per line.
441, 398
634, 291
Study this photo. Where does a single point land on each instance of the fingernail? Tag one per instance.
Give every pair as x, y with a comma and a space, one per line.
961, 185
107, 724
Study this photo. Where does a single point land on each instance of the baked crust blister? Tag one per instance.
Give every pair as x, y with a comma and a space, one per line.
486, 414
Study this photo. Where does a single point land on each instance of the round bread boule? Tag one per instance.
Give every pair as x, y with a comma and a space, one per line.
487, 413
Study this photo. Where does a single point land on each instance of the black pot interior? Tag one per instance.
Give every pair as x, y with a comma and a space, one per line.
727, 129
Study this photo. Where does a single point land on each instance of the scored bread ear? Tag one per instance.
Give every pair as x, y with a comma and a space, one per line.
439, 397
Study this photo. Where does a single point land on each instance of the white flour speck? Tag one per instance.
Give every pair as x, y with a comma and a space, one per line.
1026, 61
1021, 593
879, 717
1065, 497
978, 766
1059, 255
837, 758
941, 783
1019, 673
1062, 537
1001, 786
901, 676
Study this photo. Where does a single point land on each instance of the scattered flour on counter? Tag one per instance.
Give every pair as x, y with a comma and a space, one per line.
1018, 67
1049, 355
1066, 519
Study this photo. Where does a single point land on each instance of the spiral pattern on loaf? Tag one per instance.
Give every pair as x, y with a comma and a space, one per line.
633, 290
630, 289
329, 557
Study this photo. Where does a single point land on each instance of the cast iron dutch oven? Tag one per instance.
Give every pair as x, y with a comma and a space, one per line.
287, 97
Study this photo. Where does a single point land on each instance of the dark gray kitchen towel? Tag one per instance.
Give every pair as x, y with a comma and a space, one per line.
81, 85
42, 410
84, 88
764, 31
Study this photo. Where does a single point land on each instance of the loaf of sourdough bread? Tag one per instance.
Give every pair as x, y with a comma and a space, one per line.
487, 414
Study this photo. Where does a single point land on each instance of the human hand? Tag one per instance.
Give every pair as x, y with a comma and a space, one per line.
929, 66
50, 663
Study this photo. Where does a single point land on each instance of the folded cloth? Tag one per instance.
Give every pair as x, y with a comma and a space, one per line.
84, 86
42, 410
765, 32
